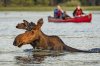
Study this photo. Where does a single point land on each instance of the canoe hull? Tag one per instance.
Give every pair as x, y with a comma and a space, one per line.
82, 19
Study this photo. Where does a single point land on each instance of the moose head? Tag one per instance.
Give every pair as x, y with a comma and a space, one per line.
28, 36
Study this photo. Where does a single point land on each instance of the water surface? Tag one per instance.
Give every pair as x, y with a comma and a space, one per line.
81, 36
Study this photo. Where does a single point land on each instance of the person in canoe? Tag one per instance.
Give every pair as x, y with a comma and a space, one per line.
59, 13
78, 12
65, 15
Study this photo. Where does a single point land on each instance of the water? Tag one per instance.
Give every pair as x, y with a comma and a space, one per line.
81, 36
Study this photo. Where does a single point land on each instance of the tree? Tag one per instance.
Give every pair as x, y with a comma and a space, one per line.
35, 2
5, 3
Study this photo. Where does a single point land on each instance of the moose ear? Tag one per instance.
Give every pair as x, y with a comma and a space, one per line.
40, 23
26, 22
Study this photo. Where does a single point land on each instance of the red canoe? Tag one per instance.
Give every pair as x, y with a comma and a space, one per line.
82, 19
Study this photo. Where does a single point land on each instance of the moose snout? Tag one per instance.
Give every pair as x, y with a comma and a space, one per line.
14, 43
16, 26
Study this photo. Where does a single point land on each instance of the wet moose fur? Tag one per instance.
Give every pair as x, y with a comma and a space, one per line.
42, 41
28, 27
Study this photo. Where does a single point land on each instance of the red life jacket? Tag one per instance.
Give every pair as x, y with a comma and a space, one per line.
59, 13
78, 12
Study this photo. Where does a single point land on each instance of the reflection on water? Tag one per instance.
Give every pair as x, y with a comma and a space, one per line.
41, 60
81, 36
37, 56
35, 59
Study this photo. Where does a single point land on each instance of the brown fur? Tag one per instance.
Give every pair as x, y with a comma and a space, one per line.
44, 41
27, 26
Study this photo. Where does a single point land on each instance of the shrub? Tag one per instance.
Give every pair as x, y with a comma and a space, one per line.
71, 3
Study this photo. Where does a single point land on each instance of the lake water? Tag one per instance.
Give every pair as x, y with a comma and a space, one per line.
82, 36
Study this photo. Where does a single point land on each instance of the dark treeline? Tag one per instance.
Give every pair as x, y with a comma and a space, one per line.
90, 2
6, 3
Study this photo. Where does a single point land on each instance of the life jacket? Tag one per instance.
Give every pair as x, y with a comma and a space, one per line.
78, 12
59, 13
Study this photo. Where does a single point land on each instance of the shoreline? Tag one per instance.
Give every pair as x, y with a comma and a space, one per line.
48, 8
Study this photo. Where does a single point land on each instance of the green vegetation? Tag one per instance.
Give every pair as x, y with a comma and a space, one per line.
27, 3
47, 8
47, 5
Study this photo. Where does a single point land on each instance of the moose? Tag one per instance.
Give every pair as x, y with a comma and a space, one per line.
36, 38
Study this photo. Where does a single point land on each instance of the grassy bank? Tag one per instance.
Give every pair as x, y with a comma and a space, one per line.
43, 8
